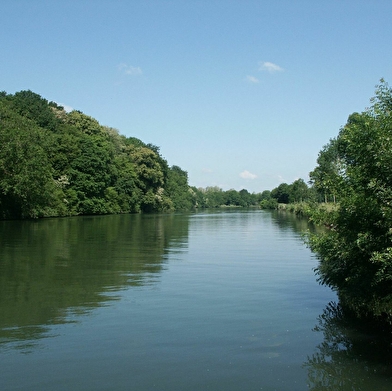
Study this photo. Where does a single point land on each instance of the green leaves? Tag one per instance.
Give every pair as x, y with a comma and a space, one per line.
356, 255
178, 189
328, 176
56, 163
27, 187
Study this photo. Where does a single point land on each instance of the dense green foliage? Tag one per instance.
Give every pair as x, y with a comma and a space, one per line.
54, 163
356, 169
294, 193
325, 177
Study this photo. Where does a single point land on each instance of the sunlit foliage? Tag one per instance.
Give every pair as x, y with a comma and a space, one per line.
356, 251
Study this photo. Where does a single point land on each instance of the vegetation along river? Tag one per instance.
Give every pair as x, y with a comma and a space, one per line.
213, 300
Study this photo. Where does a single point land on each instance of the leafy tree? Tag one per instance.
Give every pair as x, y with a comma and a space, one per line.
198, 195
233, 198
214, 197
27, 188
178, 189
125, 185
150, 174
84, 123
356, 253
57, 163
281, 193
247, 199
270, 203
265, 195
90, 173
147, 168
326, 177
32, 106
299, 191
266, 200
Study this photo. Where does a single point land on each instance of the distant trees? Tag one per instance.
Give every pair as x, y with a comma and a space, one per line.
215, 197
285, 193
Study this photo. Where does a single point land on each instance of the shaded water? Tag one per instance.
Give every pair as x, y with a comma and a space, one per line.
223, 300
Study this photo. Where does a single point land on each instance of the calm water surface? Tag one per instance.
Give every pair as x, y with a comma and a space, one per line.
223, 300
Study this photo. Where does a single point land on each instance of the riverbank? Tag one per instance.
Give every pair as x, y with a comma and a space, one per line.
317, 213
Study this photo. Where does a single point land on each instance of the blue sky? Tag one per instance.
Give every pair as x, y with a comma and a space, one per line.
240, 94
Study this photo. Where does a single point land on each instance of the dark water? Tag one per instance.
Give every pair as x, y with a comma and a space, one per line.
221, 300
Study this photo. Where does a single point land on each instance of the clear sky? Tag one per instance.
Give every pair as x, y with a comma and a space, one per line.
240, 94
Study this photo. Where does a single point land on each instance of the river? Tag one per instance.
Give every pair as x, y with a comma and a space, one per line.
212, 300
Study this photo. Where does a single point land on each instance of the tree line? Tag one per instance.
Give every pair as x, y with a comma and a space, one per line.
296, 192
58, 163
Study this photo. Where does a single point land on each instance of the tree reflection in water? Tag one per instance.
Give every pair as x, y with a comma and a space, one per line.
53, 271
351, 357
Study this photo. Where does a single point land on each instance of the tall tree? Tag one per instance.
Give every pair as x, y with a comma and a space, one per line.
178, 189
299, 191
27, 186
281, 193
356, 254
150, 174
326, 177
